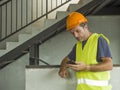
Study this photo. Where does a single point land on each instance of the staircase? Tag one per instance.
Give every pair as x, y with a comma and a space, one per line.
30, 32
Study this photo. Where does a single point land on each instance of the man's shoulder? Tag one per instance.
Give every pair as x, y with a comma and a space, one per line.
102, 40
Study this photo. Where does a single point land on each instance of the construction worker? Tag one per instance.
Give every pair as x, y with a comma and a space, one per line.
91, 55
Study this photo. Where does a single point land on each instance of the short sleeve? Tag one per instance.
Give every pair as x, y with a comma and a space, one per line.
72, 54
103, 49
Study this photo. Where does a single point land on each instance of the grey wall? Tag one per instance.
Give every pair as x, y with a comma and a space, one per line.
110, 27
48, 79
115, 81
12, 77
55, 49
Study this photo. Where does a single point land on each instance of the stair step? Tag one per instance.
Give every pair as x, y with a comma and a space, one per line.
24, 37
62, 14
35, 32
13, 38
2, 52
11, 45
3, 45
39, 23
34, 28
27, 30
74, 7
84, 1
49, 22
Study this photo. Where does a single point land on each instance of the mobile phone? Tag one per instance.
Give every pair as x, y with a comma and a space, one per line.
71, 62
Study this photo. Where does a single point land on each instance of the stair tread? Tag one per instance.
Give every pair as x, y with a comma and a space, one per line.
62, 14
74, 7
48, 22
2, 52
11, 45
24, 37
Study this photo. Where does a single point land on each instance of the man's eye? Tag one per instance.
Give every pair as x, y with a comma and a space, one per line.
77, 31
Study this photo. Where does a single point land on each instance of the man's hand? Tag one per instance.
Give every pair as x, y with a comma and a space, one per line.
79, 66
63, 73
63, 68
105, 65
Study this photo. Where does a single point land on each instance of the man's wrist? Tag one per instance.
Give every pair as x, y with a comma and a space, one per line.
87, 68
63, 67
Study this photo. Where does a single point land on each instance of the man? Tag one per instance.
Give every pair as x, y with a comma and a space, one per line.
91, 55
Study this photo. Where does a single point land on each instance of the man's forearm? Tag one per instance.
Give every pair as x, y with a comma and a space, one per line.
63, 63
103, 66
63, 68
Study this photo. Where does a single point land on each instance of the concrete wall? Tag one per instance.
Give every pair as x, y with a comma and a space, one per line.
12, 77
55, 49
48, 79
110, 27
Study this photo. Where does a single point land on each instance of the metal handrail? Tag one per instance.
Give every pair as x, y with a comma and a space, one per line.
43, 66
34, 58
55, 66
3, 3
8, 21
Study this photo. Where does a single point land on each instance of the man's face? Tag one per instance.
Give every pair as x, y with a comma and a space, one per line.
79, 33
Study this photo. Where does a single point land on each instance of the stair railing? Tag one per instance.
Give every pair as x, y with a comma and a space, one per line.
15, 15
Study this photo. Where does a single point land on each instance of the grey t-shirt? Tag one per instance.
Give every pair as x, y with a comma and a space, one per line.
103, 50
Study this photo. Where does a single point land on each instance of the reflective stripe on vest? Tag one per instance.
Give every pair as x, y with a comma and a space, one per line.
93, 82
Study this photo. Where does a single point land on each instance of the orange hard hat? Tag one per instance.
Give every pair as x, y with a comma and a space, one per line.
74, 19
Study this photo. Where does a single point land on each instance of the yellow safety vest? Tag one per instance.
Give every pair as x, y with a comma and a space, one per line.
87, 80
